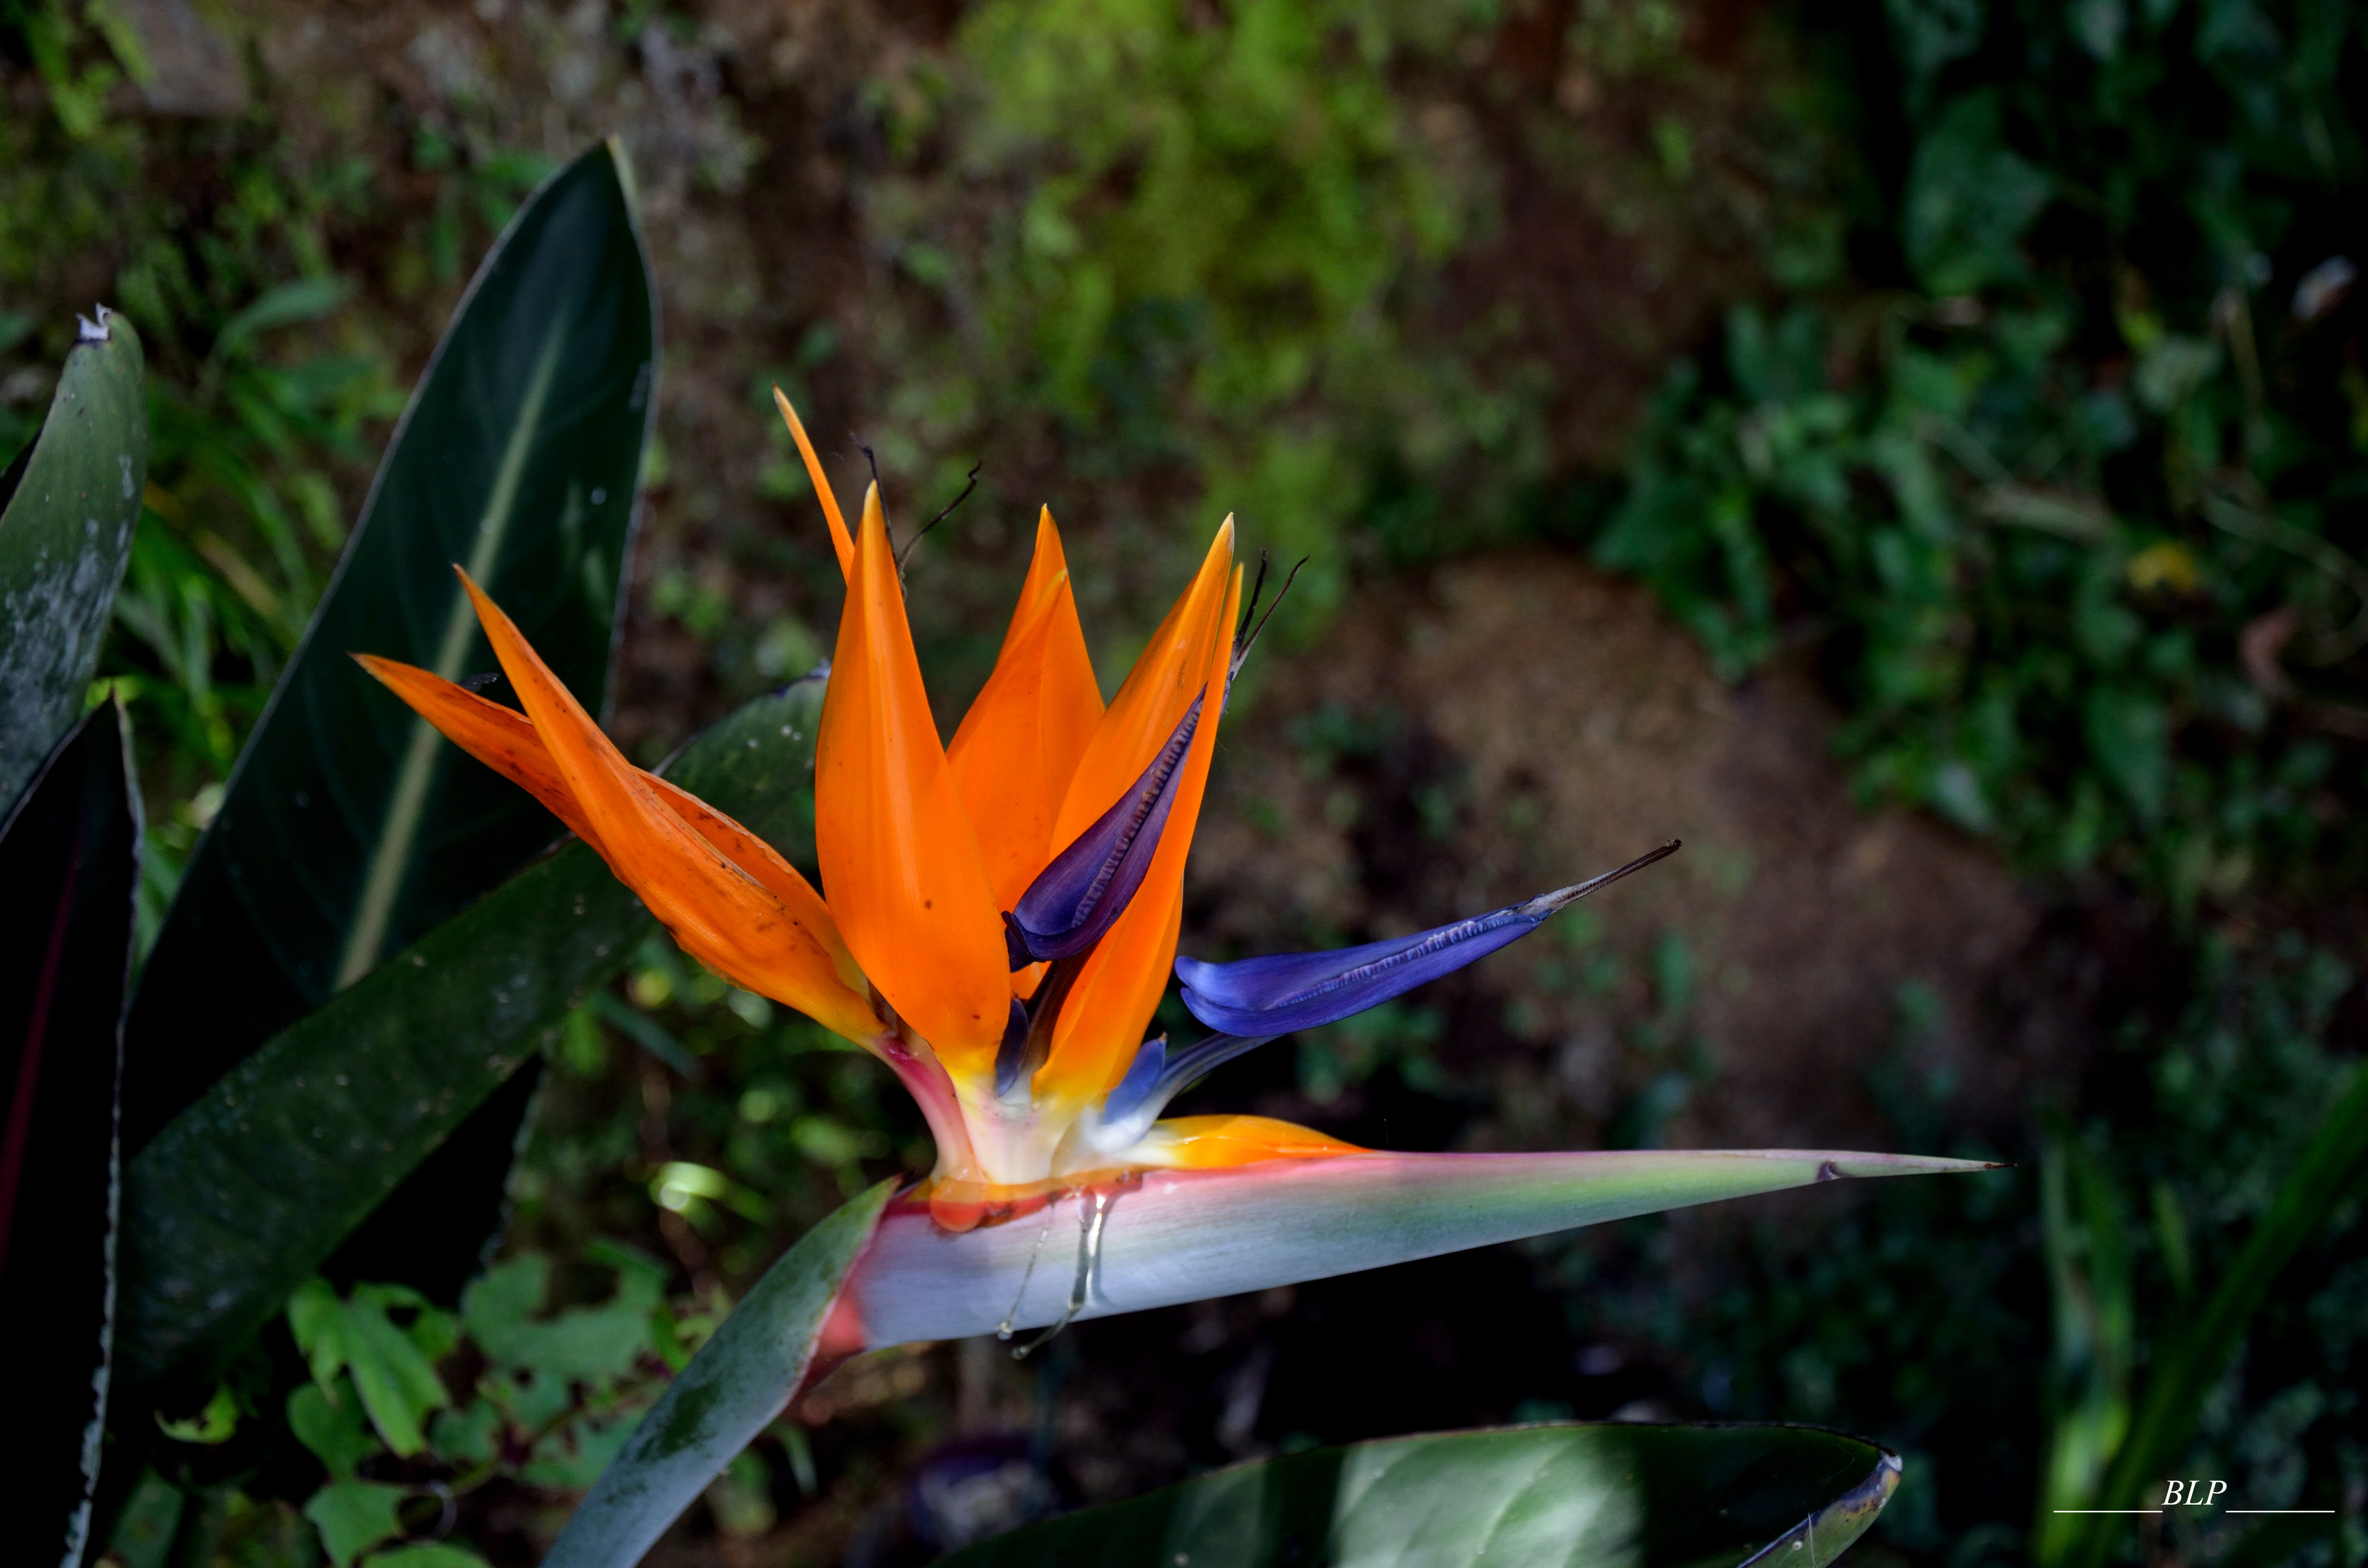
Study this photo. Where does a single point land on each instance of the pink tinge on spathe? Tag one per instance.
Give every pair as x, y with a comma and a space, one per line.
1157, 1238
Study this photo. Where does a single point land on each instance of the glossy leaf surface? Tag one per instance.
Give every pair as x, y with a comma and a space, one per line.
67, 506
349, 829
69, 866
1619, 1495
732, 1389
249, 1189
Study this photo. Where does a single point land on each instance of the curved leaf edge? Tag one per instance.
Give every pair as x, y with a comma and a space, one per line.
775, 1341
1820, 1537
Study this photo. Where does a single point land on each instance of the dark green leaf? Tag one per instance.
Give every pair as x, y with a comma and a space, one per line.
1969, 197
437, 1231
69, 868
349, 829
334, 1432
355, 1516
2129, 735
289, 304
732, 1389
67, 506
426, 1554
251, 1188
1564, 1496
392, 1368
2274, 1541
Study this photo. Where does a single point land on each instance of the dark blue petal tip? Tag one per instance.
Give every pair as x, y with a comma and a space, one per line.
1275, 995
1081, 895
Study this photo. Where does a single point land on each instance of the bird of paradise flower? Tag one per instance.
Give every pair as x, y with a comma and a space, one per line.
1002, 918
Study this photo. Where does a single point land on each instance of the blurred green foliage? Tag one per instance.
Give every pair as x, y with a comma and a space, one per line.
2053, 514
2068, 508
2002, 1332
268, 397
1214, 237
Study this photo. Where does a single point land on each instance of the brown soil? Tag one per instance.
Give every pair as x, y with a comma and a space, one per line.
1544, 723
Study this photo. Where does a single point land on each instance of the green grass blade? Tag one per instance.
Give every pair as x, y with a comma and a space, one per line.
251, 1188
348, 829
1619, 1495
2321, 1178
67, 506
2084, 1230
70, 863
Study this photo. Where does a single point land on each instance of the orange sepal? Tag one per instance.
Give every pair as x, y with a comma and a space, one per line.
1020, 744
1112, 1005
505, 740
899, 861
502, 738
682, 860
839, 538
1208, 1143
1144, 713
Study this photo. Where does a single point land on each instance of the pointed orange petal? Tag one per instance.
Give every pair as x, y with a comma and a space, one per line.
1109, 1007
720, 913
1165, 679
505, 740
838, 539
1205, 1143
1018, 745
501, 738
899, 861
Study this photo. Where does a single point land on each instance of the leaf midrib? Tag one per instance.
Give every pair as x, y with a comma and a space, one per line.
374, 910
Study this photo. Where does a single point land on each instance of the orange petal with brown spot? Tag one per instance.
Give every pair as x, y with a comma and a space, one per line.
899, 862
1020, 744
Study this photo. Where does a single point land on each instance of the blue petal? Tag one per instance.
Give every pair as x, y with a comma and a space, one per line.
1157, 1074
1013, 1055
1088, 885
1141, 1084
1269, 996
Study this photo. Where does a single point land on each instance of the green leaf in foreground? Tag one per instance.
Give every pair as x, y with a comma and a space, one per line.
245, 1194
67, 506
1617, 1496
350, 828
732, 1389
69, 866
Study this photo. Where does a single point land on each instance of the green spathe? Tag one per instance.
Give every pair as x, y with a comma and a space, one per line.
1176, 1236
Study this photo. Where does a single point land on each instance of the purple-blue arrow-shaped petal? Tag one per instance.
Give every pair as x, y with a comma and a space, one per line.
1088, 885
1269, 996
